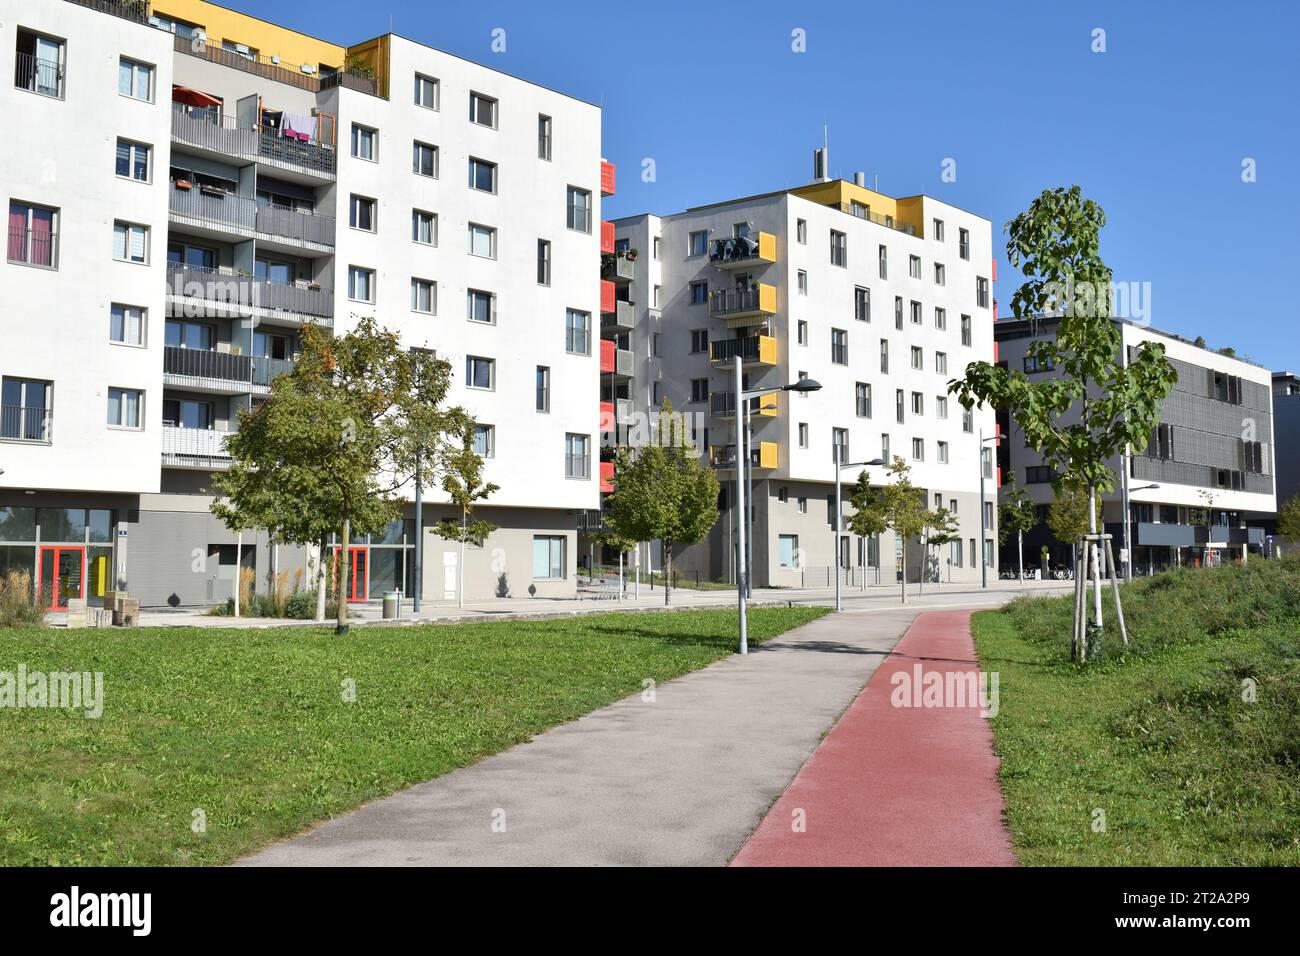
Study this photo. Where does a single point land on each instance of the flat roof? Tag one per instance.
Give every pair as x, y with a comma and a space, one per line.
1054, 319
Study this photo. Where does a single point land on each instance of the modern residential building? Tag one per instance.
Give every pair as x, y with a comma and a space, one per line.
1212, 455
1286, 432
881, 300
216, 182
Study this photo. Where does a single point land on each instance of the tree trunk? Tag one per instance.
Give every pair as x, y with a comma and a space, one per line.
902, 584
322, 580
341, 575
460, 586
668, 573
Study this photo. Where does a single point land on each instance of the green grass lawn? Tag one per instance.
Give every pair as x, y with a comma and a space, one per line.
251, 727
1158, 738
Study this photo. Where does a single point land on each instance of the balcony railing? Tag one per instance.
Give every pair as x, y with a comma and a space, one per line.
740, 302
739, 251
194, 448
243, 212
617, 268
23, 423
750, 348
723, 405
763, 455
622, 319
246, 294
38, 76
858, 211
34, 248
615, 360
134, 10
240, 372
224, 134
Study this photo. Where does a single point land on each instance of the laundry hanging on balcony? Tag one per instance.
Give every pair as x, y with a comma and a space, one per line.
299, 126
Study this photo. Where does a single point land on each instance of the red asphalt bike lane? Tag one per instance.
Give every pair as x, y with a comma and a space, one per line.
896, 786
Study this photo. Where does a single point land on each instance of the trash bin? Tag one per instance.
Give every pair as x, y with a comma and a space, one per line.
392, 604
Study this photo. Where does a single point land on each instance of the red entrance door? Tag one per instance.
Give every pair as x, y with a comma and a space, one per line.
60, 575
357, 574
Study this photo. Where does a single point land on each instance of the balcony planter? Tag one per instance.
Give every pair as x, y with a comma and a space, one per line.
631, 255
183, 184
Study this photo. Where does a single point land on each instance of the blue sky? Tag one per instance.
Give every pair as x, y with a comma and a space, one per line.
1155, 128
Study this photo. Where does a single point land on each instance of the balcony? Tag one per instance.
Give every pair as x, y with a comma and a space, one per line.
722, 405
607, 238
608, 178
271, 69
201, 292
226, 373
622, 319
763, 456
198, 448
26, 423
136, 11
743, 252
743, 306
606, 476
858, 211
615, 361
223, 212
36, 75
618, 269
752, 349
222, 135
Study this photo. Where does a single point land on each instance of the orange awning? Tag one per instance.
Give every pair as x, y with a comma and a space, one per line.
183, 94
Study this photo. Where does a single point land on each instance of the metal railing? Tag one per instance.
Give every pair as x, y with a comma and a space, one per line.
618, 267
723, 405
194, 447
29, 247
733, 249
353, 80
134, 10
247, 293
254, 372
244, 212
224, 134
272, 69
291, 224
727, 301
38, 76
861, 212
23, 423
747, 347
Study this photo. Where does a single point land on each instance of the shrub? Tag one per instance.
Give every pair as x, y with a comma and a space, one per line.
18, 605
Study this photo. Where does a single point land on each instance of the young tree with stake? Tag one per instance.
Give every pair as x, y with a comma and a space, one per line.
899, 505
1016, 515
464, 484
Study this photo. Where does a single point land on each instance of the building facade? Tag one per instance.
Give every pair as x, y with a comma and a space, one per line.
1208, 465
880, 300
216, 182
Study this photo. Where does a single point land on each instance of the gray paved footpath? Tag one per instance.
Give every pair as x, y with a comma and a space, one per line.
680, 781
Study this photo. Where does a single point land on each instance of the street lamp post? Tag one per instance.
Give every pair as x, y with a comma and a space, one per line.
835, 549
984, 563
1128, 553
742, 457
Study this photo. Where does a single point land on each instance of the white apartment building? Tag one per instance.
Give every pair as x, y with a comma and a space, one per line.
206, 184
882, 301
1215, 438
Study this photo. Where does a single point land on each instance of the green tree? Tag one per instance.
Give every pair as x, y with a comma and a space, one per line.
1067, 516
898, 504
1095, 404
1288, 518
662, 491
334, 447
463, 481
944, 530
1016, 515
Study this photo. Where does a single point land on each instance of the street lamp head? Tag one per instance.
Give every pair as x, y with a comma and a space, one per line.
804, 385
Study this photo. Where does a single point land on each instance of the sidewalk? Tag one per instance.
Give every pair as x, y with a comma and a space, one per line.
896, 785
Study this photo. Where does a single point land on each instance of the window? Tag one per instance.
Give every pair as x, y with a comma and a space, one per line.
839, 347
799, 378
840, 445
802, 504
656, 248
655, 295
480, 306
427, 91
1225, 388
803, 434
801, 231
862, 304
699, 293
135, 79
952, 506
914, 266
862, 399
884, 356
940, 276
918, 449
699, 340
579, 209
941, 406
187, 413
884, 448
130, 242
543, 136
1035, 363
543, 388
548, 556
965, 330
33, 235
918, 358
941, 362
884, 262
482, 241
424, 227
982, 292
361, 284
365, 143
898, 312
968, 421
963, 243
1038, 475
190, 335
839, 249
697, 243
577, 462
125, 408
1162, 443
941, 452
543, 262
699, 390
133, 160
918, 403
803, 282
361, 213
577, 332
424, 159
937, 232
126, 324
480, 372
915, 312
485, 441
40, 64
801, 330
424, 296
900, 408
788, 550
859, 210
482, 175
654, 347
941, 319
482, 110
24, 409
